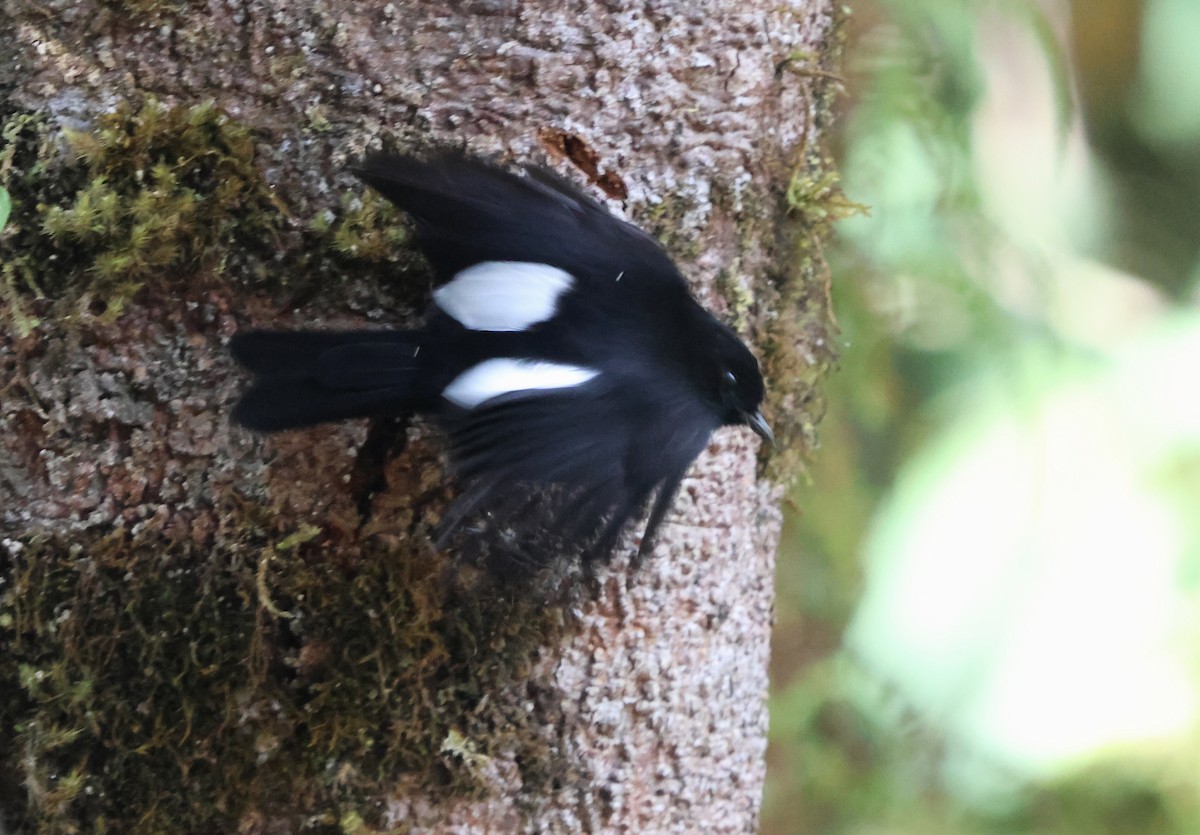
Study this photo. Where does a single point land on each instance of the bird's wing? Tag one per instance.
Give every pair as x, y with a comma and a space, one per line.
468, 213
604, 452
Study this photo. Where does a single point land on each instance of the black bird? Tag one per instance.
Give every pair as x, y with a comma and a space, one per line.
562, 351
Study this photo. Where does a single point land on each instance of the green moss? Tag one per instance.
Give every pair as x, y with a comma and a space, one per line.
739, 298
667, 222
368, 227
159, 198
797, 340
169, 193
149, 686
27, 144
168, 201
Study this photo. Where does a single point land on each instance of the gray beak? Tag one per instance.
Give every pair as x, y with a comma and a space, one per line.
760, 426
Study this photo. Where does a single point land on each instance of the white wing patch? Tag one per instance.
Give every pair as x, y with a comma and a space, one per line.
503, 295
492, 378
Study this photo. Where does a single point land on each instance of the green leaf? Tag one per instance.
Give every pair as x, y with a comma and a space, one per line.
5, 206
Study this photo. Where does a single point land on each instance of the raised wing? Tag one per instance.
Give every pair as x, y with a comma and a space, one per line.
468, 213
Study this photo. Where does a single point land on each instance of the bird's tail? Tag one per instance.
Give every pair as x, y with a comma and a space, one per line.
308, 377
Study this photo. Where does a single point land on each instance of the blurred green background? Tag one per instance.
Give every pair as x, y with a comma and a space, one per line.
988, 615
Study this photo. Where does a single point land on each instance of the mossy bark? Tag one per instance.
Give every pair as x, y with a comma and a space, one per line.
206, 631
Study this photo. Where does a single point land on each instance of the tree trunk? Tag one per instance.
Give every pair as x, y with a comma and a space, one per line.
207, 631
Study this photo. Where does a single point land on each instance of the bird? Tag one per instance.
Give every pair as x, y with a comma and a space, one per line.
563, 351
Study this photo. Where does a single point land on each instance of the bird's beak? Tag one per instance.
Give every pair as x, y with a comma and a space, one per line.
760, 426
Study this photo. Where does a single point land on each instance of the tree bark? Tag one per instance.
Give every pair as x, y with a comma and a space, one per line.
209, 631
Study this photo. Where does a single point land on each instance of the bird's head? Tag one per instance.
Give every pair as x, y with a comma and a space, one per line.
738, 385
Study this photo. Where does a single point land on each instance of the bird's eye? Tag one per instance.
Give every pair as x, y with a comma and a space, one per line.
730, 377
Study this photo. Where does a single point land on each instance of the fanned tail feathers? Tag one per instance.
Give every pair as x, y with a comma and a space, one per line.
309, 377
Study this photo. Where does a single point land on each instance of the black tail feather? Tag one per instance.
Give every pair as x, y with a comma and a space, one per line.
275, 405
280, 353
309, 377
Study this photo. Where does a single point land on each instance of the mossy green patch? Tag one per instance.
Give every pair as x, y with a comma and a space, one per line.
27, 143
797, 342
172, 201
5, 207
368, 227
147, 685
169, 191
797, 338
667, 222
100, 225
155, 197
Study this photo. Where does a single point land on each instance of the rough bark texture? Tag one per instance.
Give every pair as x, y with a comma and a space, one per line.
641, 706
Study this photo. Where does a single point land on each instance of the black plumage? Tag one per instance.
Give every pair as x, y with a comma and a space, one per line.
563, 352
